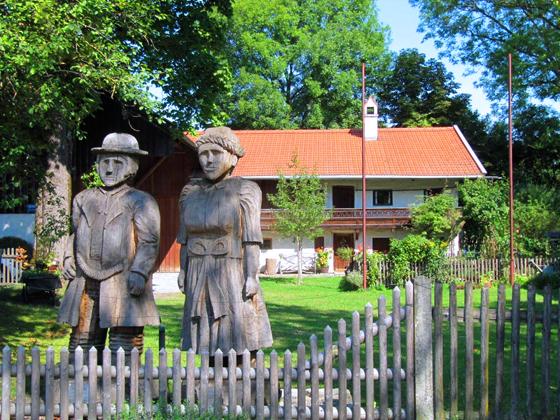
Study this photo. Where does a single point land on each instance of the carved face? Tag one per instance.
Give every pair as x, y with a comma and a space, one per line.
115, 169
215, 161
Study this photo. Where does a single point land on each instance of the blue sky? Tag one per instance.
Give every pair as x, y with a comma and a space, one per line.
403, 20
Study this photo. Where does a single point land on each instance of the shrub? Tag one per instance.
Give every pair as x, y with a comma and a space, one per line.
417, 249
353, 280
345, 253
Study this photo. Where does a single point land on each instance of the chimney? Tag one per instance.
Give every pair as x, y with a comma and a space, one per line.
370, 119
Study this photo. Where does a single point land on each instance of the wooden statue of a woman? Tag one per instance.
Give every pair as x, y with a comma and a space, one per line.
220, 239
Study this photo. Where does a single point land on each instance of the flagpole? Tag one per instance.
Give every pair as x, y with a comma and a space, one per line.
511, 208
364, 206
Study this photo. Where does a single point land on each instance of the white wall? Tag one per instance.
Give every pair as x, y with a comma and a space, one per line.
18, 225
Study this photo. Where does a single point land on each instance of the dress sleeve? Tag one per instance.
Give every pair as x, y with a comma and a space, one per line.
182, 233
250, 199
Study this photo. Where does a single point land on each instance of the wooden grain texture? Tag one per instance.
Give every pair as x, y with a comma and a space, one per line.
49, 384
232, 382
259, 372
218, 382
177, 383
106, 384
120, 382
162, 376
382, 334
370, 389
134, 377
547, 325
246, 369
469, 353
500, 340
301, 381
396, 315
438, 352
204, 374
410, 392
356, 381
342, 362
189, 377
6, 381
92, 383
287, 385
423, 349
148, 381
453, 352
274, 388
328, 369
530, 348
78, 383
514, 410
484, 410
313, 345
20, 382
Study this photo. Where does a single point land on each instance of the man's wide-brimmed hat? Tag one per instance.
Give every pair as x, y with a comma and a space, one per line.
119, 143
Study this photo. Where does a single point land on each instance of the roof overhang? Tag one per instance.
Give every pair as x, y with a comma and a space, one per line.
327, 177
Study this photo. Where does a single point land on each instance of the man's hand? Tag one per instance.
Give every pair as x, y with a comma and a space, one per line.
69, 269
181, 281
136, 284
251, 287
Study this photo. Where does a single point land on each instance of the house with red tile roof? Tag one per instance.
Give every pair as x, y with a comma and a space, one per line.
403, 165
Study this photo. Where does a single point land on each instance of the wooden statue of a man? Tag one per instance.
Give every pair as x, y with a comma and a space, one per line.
111, 254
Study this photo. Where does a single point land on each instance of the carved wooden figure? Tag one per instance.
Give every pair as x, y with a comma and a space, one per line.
220, 239
111, 255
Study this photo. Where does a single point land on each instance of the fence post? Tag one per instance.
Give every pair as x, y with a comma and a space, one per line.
423, 353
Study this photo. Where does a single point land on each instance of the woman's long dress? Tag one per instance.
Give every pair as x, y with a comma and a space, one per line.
216, 221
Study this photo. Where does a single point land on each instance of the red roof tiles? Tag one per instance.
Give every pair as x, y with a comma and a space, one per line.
398, 152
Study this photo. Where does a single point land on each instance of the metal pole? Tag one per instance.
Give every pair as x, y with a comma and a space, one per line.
511, 209
364, 206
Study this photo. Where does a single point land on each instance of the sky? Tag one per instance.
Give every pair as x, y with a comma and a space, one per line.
403, 19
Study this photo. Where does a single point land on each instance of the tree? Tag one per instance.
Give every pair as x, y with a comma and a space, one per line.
421, 92
481, 33
301, 200
486, 213
297, 63
57, 59
438, 218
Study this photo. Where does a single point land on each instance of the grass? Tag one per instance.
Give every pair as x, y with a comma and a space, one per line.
296, 312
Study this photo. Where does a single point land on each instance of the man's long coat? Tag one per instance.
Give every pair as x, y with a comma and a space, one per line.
116, 232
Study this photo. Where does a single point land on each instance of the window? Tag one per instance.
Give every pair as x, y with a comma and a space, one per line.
381, 244
343, 196
382, 197
430, 192
319, 242
267, 244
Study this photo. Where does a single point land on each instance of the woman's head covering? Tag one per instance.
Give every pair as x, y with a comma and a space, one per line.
223, 137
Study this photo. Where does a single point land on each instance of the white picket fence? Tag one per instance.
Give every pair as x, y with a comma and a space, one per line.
11, 269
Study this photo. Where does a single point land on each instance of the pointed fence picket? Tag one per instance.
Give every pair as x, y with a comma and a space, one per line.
363, 375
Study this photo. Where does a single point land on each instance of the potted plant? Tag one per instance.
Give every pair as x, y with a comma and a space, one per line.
38, 277
322, 260
345, 253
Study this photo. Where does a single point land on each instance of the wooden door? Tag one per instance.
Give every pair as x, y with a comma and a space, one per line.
341, 240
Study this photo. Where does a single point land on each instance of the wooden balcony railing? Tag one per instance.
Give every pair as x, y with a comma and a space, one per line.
351, 218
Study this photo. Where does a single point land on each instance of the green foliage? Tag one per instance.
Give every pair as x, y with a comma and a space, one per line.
485, 208
301, 200
416, 249
372, 265
353, 280
541, 280
481, 33
91, 179
297, 64
486, 214
345, 253
438, 218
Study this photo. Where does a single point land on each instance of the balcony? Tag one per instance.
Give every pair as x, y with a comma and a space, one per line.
387, 218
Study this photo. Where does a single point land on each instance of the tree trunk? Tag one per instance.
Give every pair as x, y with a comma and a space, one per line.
55, 198
299, 244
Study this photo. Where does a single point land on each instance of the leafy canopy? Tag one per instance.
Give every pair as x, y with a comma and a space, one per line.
438, 218
297, 63
483, 32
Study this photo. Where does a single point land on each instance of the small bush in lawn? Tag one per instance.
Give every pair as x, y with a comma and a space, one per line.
353, 280
544, 279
